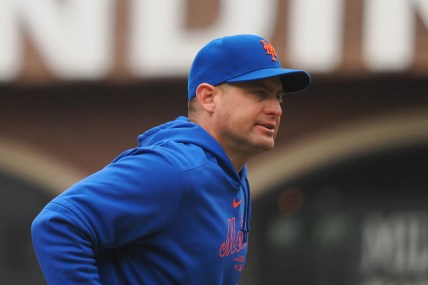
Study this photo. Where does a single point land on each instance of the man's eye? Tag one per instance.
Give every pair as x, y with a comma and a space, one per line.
260, 94
280, 97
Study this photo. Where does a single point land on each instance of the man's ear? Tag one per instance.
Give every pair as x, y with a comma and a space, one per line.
205, 94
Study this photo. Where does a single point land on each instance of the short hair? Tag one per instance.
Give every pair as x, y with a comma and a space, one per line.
191, 107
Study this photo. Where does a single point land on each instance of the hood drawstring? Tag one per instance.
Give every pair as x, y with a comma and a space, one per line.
247, 212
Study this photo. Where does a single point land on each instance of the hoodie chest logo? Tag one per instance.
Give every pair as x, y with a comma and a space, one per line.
234, 240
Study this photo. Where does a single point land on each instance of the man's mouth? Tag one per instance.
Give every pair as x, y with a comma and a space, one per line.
268, 126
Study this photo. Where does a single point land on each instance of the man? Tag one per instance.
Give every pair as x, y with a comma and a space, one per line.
176, 209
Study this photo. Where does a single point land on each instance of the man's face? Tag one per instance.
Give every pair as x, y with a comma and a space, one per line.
247, 115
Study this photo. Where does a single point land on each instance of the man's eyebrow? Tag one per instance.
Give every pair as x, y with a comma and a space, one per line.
258, 84
264, 86
252, 84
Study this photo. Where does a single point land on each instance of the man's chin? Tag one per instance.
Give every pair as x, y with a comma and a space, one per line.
265, 145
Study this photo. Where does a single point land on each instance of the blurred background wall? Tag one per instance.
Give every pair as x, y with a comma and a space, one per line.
342, 196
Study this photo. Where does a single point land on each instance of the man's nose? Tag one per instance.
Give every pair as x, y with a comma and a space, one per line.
273, 107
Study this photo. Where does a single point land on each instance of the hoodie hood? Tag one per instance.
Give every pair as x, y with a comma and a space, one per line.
182, 130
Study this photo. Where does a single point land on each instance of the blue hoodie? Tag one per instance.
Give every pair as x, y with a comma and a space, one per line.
171, 211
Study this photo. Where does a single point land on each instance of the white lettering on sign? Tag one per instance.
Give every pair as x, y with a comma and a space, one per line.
76, 38
395, 246
389, 32
315, 34
161, 44
10, 44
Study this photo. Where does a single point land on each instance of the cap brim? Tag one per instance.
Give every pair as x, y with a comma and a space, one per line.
292, 80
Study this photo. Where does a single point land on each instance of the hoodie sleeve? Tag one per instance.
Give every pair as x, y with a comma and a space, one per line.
130, 199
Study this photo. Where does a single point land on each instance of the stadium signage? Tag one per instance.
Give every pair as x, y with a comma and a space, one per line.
104, 39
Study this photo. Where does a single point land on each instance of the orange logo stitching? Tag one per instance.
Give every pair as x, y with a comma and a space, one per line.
236, 203
269, 49
234, 240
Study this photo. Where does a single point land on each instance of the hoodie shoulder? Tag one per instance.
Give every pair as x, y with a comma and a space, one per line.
184, 142
183, 156
186, 156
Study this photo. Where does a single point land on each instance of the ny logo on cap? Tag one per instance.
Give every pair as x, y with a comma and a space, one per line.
269, 49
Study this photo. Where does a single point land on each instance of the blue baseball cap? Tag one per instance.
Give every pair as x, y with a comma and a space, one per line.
242, 58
